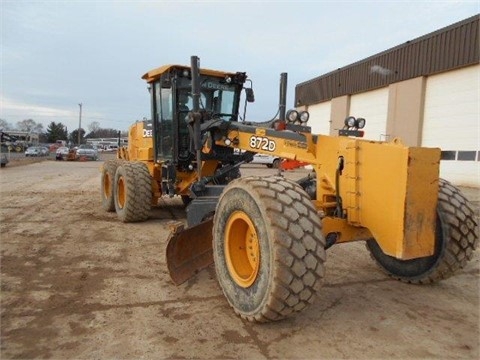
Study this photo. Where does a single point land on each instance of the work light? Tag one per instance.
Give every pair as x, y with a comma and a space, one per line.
304, 116
350, 121
292, 115
361, 123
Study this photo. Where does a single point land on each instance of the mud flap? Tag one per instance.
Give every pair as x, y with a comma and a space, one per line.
189, 250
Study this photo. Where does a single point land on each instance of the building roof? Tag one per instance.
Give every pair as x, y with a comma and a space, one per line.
449, 48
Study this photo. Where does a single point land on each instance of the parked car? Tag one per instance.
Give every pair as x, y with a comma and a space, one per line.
33, 151
44, 151
61, 153
87, 151
37, 151
269, 160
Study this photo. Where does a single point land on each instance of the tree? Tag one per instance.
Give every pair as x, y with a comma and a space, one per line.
56, 132
42, 138
73, 138
5, 125
29, 125
94, 126
103, 133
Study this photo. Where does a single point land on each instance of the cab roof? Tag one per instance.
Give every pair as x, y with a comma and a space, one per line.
154, 74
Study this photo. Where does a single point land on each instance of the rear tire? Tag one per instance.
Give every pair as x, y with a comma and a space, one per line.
268, 248
132, 192
107, 183
456, 237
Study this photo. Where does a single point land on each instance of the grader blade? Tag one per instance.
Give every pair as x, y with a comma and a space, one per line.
189, 250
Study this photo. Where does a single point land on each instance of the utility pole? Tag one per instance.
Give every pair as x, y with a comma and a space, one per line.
79, 123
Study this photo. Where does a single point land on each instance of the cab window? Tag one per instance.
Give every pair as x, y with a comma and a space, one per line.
164, 120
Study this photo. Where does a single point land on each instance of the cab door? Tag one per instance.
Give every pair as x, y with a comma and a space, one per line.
163, 139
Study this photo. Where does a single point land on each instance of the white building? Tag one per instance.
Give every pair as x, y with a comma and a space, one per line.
426, 92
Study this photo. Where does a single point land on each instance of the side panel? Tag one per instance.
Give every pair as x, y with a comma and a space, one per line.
421, 202
392, 190
140, 141
387, 188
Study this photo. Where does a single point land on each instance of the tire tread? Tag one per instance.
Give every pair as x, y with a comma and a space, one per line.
460, 232
298, 265
138, 192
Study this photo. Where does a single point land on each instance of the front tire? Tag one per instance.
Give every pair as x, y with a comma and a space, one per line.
456, 237
133, 192
268, 248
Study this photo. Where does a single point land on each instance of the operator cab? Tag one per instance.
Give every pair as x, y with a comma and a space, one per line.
171, 100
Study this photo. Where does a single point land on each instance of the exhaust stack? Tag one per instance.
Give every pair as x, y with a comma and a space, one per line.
283, 96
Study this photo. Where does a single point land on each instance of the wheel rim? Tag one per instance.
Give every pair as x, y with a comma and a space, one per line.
121, 192
106, 185
242, 251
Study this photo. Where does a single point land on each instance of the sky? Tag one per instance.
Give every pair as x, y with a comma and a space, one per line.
58, 54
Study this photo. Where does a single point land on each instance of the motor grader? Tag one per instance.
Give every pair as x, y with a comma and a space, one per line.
268, 236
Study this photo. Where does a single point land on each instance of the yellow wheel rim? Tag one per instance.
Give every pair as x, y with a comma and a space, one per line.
106, 185
242, 250
121, 192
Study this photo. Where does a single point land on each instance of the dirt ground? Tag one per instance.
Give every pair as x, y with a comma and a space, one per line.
77, 283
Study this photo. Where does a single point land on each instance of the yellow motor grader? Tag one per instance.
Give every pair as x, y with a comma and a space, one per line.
267, 236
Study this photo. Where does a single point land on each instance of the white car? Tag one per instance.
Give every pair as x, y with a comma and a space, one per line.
269, 160
87, 151
44, 151
62, 153
33, 151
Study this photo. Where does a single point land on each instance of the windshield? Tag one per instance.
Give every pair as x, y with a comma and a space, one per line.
215, 96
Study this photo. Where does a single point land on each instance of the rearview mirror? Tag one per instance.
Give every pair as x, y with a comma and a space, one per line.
250, 95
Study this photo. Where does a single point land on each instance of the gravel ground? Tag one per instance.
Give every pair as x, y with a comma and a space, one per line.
76, 283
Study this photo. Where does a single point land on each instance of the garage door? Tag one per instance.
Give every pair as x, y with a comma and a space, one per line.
373, 106
320, 118
452, 122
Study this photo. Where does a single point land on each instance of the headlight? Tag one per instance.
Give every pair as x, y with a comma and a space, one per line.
292, 115
304, 116
350, 121
361, 123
